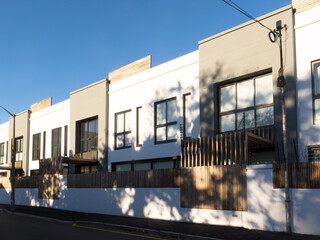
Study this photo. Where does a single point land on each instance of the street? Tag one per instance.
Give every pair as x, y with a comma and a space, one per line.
14, 226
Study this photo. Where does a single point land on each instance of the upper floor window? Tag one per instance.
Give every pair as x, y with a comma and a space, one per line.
316, 90
123, 129
19, 148
2, 153
166, 121
36, 138
88, 135
56, 142
246, 104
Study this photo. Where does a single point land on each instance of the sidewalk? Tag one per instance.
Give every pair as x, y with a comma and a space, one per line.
174, 229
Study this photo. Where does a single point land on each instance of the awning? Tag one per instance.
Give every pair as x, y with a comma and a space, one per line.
78, 161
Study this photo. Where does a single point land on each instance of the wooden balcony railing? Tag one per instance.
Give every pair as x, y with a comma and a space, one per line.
224, 149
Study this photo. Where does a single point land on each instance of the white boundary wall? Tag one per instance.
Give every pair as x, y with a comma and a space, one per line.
266, 208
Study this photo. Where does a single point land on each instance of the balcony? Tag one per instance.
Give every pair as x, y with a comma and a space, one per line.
226, 148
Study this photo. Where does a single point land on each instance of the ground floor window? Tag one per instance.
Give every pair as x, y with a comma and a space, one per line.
314, 153
148, 164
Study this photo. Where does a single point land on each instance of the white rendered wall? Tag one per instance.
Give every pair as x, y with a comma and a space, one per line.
4, 138
52, 117
171, 79
307, 30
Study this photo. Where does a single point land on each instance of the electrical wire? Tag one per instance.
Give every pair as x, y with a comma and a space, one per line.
239, 9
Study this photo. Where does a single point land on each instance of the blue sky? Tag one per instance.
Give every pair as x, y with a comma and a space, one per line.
53, 47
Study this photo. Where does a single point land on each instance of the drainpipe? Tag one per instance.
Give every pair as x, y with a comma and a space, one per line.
281, 82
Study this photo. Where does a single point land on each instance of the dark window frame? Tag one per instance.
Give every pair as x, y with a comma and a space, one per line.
44, 145
164, 124
58, 141
124, 133
236, 110
36, 148
81, 139
314, 96
2, 153
65, 152
138, 137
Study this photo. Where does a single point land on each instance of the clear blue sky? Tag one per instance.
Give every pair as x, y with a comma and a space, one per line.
53, 47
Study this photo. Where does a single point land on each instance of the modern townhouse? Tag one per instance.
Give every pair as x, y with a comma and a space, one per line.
49, 132
150, 112
239, 70
307, 27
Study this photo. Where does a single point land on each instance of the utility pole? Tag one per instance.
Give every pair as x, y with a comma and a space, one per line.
281, 82
13, 160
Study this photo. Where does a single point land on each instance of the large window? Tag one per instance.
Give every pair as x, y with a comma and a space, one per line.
166, 121
88, 135
19, 148
56, 142
36, 146
1, 153
316, 90
246, 104
123, 129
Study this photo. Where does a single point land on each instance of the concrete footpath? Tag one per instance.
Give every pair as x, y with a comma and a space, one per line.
177, 230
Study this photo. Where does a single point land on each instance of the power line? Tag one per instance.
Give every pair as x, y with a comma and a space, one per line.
239, 9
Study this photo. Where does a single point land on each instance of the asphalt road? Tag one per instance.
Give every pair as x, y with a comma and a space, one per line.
18, 227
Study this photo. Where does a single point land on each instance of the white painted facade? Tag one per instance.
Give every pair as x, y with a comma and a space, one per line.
171, 79
266, 205
4, 138
307, 29
45, 120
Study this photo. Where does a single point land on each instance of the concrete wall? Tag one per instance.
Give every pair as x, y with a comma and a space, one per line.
45, 120
241, 53
266, 208
91, 101
307, 27
22, 129
171, 79
4, 138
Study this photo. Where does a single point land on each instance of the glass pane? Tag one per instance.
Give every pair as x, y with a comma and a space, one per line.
83, 146
120, 123
227, 98
227, 123
119, 141
249, 119
128, 121
172, 110
92, 129
240, 120
83, 130
316, 77
161, 134
172, 132
264, 90
317, 109
162, 165
161, 113
127, 139
264, 116
142, 166
245, 94
187, 112
123, 167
